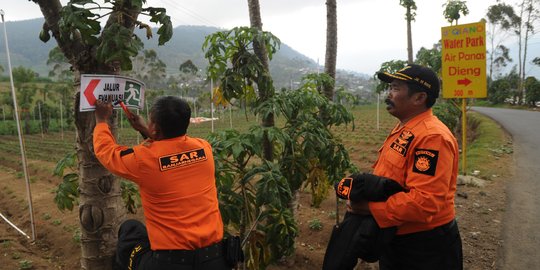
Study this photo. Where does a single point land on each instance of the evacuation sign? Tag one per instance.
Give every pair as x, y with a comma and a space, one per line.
110, 88
464, 61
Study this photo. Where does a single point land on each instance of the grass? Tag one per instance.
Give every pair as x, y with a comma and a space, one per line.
315, 224
362, 139
485, 103
491, 144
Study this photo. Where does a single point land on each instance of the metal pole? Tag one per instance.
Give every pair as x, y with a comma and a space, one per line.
230, 115
146, 105
40, 120
212, 102
464, 135
23, 156
13, 225
62, 118
137, 133
195, 106
378, 112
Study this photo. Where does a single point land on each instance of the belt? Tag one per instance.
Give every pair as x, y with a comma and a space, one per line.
189, 257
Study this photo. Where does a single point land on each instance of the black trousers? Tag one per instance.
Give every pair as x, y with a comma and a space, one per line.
436, 249
133, 252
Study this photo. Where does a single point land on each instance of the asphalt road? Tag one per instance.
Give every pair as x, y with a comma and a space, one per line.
521, 227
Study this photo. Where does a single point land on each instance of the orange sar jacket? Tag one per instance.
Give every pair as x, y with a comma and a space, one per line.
422, 156
177, 187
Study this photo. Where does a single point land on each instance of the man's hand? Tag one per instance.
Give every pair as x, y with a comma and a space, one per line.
103, 111
138, 123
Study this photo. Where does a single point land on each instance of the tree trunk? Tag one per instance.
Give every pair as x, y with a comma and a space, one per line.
527, 30
409, 36
27, 122
519, 33
491, 53
331, 46
100, 202
266, 88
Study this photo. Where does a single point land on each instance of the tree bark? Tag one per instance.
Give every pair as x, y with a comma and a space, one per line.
331, 46
519, 33
491, 54
409, 36
528, 29
100, 202
266, 88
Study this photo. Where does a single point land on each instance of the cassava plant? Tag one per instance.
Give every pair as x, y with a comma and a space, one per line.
256, 195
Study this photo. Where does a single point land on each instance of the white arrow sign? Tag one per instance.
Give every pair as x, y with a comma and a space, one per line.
110, 88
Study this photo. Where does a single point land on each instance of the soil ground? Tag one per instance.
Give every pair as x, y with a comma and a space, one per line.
479, 214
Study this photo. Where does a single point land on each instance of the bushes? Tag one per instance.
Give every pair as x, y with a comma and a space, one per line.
448, 113
9, 127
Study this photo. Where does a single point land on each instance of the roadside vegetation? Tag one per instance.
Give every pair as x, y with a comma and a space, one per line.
489, 142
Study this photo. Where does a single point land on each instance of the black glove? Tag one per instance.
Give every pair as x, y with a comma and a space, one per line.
366, 186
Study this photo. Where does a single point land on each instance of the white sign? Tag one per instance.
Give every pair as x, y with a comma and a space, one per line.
110, 88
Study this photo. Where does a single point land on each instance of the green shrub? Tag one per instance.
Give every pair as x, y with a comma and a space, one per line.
315, 224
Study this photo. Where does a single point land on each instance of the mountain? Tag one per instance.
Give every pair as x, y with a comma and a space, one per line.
287, 67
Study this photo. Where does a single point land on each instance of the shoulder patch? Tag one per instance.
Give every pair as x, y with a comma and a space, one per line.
126, 152
402, 142
425, 161
181, 159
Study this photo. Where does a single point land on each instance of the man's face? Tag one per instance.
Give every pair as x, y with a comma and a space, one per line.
399, 103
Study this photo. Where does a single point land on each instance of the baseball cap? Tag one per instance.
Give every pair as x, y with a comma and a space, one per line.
422, 76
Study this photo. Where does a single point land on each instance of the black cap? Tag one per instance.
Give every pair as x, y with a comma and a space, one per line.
422, 76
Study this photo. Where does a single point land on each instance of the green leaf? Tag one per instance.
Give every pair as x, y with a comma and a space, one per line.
82, 2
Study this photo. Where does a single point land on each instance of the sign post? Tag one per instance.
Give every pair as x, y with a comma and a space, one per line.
464, 69
110, 88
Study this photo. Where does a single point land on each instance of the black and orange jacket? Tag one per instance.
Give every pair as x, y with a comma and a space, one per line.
422, 156
177, 187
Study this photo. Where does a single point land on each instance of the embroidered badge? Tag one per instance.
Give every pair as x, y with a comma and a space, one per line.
182, 159
402, 142
344, 187
425, 161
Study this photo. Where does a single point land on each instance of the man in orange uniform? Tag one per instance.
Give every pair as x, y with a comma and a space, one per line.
175, 175
421, 154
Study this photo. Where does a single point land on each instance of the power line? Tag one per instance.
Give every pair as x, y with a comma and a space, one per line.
184, 10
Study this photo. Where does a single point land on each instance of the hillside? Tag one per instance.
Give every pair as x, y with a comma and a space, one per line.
287, 67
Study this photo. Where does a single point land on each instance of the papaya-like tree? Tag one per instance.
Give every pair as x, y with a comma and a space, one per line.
410, 6
91, 48
265, 84
331, 47
453, 10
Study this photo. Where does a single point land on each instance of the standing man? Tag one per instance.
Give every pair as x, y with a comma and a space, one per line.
175, 175
421, 154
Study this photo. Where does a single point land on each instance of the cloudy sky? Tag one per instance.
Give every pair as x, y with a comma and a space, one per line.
369, 31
